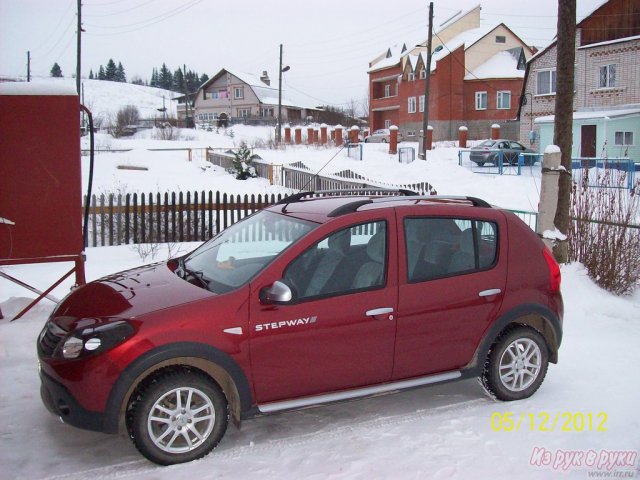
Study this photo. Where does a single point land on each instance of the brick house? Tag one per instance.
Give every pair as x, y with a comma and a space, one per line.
607, 85
234, 97
475, 79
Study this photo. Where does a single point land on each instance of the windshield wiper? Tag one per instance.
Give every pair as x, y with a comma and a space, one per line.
197, 274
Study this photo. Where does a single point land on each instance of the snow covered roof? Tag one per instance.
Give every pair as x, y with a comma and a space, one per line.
267, 94
38, 88
501, 65
593, 115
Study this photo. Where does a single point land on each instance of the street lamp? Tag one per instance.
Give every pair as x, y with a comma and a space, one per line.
524, 101
281, 70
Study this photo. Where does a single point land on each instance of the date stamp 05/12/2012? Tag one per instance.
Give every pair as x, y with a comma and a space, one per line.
549, 422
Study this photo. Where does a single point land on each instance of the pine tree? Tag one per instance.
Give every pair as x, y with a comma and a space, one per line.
56, 71
90, 74
203, 78
120, 75
111, 70
165, 79
178, 81
101, 74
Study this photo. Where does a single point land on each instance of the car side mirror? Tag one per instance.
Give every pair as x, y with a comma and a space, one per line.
276, 294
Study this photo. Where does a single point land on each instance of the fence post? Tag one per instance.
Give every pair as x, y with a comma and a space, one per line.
323, 134
495, 131
310, 135
429, 137
463, 133
298, 135
287, 134
393, 139
338, 132
548, 193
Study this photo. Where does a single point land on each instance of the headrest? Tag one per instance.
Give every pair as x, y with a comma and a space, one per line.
340, 241
466, 241
376, 247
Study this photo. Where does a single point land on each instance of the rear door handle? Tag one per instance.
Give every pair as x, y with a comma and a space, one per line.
379, 311
490, 292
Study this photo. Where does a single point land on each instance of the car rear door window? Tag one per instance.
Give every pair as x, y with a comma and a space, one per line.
439, 247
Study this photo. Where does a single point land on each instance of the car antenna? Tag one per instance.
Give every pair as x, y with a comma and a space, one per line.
318, 172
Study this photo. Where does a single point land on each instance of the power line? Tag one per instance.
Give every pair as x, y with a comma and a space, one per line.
46, 41
145, 23
119, 12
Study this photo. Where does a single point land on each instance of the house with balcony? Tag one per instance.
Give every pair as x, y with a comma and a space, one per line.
233, 97
606, 105
476, 77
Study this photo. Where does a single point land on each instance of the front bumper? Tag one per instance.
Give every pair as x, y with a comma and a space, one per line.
61, 403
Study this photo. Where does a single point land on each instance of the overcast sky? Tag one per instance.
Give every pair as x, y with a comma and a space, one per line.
327, 43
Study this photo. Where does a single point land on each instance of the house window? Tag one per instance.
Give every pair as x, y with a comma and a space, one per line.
243, 112
238, 93
412, 105
221, 94
421, 103
546, 82
624, 139
412, 76
387, 90
501, 39
266, 112
504, 100
387, 124
481, 100
423, 74
607, 76
206, 95
411, 133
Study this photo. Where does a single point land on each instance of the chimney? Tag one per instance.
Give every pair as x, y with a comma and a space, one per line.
265, 78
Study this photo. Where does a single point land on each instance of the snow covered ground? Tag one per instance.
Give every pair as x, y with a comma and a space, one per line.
448, 431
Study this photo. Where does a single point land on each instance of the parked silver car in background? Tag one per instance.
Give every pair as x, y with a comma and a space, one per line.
489, 152
381, 135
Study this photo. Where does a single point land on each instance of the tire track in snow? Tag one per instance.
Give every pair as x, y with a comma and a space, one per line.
141, 467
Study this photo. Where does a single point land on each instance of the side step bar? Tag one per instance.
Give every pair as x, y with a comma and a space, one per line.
357, 393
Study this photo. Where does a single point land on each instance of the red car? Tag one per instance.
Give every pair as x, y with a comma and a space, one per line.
310, 301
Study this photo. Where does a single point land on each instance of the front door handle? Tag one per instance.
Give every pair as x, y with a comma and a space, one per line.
379, 311
490, 292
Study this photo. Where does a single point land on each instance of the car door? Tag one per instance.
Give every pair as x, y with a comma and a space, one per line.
450, 290
339, 331
515, 150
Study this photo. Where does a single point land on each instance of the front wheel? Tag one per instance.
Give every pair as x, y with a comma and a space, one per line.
178, 417
516, 365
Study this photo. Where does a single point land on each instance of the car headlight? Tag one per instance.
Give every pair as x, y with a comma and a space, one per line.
89, 341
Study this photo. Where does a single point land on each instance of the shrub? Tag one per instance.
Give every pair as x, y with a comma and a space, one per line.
126, 120
602, 236
242, 167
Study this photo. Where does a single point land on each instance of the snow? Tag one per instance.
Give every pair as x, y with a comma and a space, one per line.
438, 432
6, 221
35, 89
584, 115
552, 149
610, 42
554, 235
105, 98
501, 65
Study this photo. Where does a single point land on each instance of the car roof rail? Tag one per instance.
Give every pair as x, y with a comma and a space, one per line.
475, 201
365, 190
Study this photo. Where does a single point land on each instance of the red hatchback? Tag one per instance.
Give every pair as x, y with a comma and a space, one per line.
310, 301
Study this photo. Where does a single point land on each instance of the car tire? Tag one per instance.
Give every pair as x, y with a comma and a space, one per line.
178, 417
480, 164
516, 365
384, 140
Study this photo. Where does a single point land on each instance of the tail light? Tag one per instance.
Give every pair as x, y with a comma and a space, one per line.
555, 277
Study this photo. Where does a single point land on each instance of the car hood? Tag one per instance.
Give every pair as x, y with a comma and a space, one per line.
128, 294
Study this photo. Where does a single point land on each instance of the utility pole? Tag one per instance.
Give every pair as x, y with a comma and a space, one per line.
563, 128
28, 66
278, 120
422, 152
186, 98
79, 47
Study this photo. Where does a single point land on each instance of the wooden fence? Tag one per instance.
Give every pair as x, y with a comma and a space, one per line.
298, 176
168, 217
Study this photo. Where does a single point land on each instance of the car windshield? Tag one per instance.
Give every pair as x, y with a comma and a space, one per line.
237, 254
487, 143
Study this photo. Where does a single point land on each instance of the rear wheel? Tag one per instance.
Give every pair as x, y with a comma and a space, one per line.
516, 365
178, 417
384, 140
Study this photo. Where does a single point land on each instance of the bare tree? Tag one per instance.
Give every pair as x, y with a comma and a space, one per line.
365, 104
563, 131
